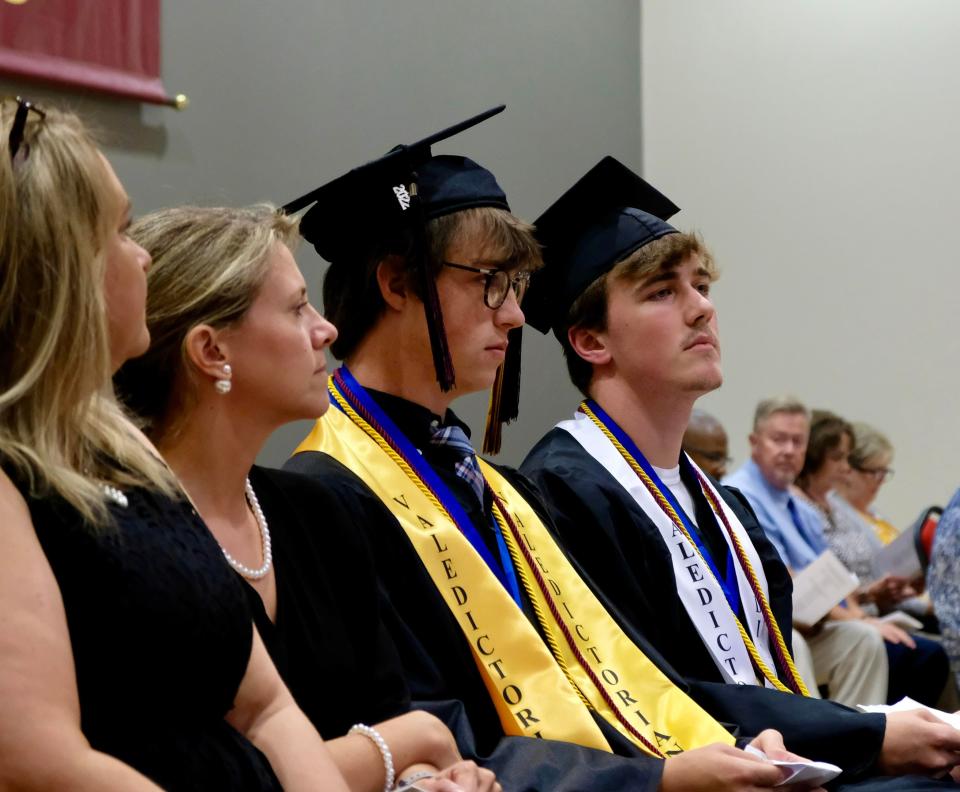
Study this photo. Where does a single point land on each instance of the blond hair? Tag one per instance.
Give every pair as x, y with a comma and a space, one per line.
208, 265
868, 444
61, 430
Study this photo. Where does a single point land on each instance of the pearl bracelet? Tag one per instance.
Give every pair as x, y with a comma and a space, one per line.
410, 780
374, 736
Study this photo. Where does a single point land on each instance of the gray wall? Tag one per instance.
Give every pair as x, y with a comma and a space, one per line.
814, 143
287, 95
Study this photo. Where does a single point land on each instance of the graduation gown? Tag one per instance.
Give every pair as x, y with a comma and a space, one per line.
442, 676
622, 556
438, 665
620, 549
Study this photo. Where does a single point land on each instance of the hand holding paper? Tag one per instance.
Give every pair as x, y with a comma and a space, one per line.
800, 771
820, 586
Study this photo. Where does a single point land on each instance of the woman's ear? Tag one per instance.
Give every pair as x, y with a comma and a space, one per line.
392, 280
207, 351
590, 345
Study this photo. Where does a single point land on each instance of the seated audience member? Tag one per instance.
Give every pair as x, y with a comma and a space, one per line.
127, 656
870, 466
856, 535
705, 442
943, 581
848, 656
870, 459
428, 267
627, 295
918, 666
237, 351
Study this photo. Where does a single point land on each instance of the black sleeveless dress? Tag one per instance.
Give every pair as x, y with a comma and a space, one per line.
161, 635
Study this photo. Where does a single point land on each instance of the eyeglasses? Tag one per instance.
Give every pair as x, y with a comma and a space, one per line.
17, 129
880, 474
497, 283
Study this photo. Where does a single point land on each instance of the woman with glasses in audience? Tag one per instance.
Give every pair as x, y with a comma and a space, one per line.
918, 666
870, 459
127, 656
237, 351
850, 536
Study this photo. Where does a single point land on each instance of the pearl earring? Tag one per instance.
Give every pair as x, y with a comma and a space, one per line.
223, 385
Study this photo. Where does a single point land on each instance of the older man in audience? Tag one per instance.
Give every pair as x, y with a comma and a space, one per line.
848, 656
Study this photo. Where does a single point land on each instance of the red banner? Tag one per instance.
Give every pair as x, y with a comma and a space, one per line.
111, 46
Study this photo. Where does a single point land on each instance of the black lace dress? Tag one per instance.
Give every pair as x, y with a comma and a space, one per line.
161, 636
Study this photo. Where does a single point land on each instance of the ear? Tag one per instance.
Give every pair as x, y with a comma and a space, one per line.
589, 345
392, 281
206, 349
754, 439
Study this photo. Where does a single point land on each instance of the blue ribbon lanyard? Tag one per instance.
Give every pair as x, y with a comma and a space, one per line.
356, 395
729, 582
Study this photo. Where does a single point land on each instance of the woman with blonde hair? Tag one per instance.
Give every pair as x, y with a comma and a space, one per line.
237, 351
871, 457
127, 656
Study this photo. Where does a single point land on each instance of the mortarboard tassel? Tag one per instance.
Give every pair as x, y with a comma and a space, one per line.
442, 362
505, 395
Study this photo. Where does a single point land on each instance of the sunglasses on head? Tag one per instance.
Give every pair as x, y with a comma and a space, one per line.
15, 140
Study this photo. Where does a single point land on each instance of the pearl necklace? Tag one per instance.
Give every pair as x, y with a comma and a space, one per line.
261, 572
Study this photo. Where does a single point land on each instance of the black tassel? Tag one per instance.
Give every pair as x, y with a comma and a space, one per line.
505, 395
442, 362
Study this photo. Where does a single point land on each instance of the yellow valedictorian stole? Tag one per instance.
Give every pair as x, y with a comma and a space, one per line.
538, 691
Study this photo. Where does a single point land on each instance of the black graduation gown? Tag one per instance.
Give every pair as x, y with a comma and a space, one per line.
621, 555
329, 642
621, 551
442, 676
440, 670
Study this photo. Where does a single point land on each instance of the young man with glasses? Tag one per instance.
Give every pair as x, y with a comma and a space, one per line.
490, 618
677, 559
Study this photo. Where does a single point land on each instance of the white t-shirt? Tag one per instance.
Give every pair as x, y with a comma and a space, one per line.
671, 478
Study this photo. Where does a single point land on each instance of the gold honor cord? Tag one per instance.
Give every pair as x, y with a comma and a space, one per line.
530, 687
768, 674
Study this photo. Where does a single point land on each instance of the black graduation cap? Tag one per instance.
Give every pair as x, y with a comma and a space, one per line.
405, 188
607, 215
